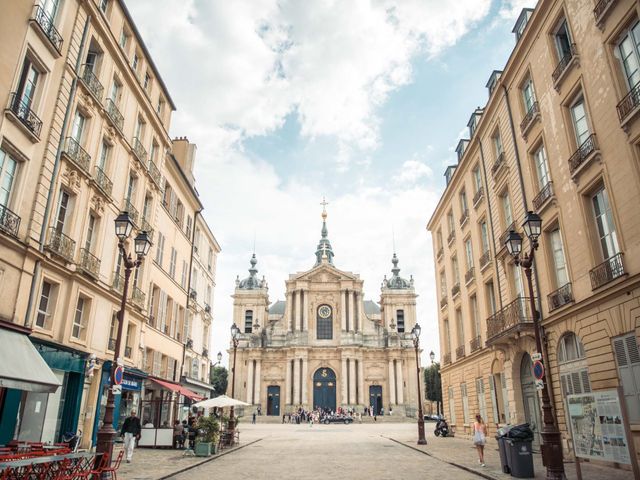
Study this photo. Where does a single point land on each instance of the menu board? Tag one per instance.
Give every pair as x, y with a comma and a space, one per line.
597, 426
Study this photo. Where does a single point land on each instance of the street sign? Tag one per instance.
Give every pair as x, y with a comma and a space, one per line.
538, 370
116, 389
539, 384
536, 356
118, 375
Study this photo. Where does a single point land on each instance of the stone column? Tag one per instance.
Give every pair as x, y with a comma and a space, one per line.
296, 381
305, 380
352, 382
343, 310
305, 310
345, 400
361, 400
400, 380
257, 383
352, 311
392, 383
292, 317
287, 384
287, 310
250, 382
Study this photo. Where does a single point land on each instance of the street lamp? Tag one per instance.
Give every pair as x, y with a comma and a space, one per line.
141, 244
432, 356
552, 448
219, 357
415, 334
235, 334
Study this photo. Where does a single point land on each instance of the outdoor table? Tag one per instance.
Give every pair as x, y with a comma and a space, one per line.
48, 466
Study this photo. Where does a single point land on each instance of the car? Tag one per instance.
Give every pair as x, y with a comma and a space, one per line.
327, 419
433, 418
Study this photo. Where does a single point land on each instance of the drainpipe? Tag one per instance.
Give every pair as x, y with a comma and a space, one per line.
55, 173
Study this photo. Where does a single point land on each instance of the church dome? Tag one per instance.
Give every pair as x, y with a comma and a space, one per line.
251, 282
396, 282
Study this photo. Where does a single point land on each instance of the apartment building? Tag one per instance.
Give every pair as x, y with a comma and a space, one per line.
83, 137
558, 135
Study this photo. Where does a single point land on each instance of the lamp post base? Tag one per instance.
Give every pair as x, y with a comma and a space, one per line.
105, 438
421, 438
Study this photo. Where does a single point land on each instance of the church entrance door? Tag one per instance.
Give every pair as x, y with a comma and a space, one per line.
375, 398
273, 400
324, 389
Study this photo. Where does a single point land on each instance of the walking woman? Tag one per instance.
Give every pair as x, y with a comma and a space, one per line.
480, 437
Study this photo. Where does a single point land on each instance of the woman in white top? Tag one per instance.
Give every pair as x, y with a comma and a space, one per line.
479, 437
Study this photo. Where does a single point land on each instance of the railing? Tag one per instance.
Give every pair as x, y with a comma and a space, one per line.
451, 237
460, 352
154, 171
464, 217
446, 358
560, 297
89, 263
118, 282
78, 155
60, 244
443, 301
112, 344
529, 117
485, 259
114, 114
497, 164
469, 275
601, 8
24, 113
455, 290
543, 195
563, 63
9, 221
91, 81
505, 234
583, 152
127, 351
131, 210
139, 151
479, 195
138, 297
475, 344
607, 271
146, 226
45, 22
629, 103
440, 253
103, 181
515, 314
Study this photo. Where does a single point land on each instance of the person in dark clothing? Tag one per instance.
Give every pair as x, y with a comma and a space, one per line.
130, 430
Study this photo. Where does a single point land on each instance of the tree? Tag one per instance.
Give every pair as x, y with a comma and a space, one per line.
218, 377
433, 385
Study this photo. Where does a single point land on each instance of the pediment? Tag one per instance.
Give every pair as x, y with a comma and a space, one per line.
324, 273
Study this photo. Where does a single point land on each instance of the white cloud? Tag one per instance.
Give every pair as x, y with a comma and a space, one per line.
510, 9
411, 172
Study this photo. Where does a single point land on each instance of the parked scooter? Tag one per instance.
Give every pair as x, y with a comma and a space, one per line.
442, 429
73, 440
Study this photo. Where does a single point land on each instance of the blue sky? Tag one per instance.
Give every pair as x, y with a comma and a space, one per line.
361, 101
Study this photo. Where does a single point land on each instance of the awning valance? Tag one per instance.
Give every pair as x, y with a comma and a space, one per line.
178, 389
22, 367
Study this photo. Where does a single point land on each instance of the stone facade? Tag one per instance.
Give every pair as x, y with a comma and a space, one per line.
558, 135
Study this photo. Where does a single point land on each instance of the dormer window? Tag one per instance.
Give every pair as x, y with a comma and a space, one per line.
460, 149
522, 21
493, 81
448, 173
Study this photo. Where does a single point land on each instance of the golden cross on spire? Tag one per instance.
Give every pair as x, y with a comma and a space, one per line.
324, 204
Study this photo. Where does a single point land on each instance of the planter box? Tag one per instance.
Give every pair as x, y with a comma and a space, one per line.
203, 449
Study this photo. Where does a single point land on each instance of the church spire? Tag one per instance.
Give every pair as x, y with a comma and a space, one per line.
252, 282
324, 252
396, 282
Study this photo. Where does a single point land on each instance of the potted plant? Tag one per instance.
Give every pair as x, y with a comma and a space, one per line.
208, 434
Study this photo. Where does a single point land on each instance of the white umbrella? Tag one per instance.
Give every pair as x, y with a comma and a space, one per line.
221, 401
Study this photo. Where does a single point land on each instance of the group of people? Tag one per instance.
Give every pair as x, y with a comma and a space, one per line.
184, 431
303, 416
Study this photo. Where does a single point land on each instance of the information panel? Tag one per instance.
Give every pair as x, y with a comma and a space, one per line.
597, 426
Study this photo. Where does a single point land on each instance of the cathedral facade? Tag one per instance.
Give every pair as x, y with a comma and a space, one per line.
325, 345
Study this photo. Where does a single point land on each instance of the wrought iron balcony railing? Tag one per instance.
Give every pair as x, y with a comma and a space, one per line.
601, 9
9, 221
140, 152
464, 217
479, 195
89, 263
118, 282
460, 353
23, 112
154, 171
560, 297
78, 155
443, 301
103, 181
607, 271
45, 22
563, 64
514, 316
505, 234
446, 358
131, 210
451, 237
475, 344
543, 195
138, 297
61, 245
583, 153
455, 290
630, 103
485, 259
469, 275
91, 81
114, 114
497, 165
528, 119
146, 226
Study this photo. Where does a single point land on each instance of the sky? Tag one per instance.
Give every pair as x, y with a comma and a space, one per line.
358, 101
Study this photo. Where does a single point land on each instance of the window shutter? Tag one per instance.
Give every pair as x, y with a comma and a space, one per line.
494, 401
157, 360
628, 359
586, 384
505, 398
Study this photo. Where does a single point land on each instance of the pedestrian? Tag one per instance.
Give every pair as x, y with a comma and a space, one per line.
253, 418
178, 430
480, 437
130, 430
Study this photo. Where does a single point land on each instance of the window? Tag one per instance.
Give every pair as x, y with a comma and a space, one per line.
469, 253
131, 188
452, 406
8, 167
491, 297
146, 207
105, 153
475, 316
78, 330
443, 285
324, 320
542, 167
27, 87
447, 336
45, 305
484, 236
604, 224
497, 145
160, 106
528, 95
147, 81
572, 363
439, 239
579, 118
625, 349
209, 291
113, 332
124, 38
153, 152
188, 228
128, 344
91, 226
77, 127
210, 259
477, 180
116, 90
629, 50
51, 8
563, 40
460, 327
454, 268
196, 240
507, 215
134, 62
248, 321
63, 208
159, 249
465, 402
172, 263
400, 320
183, 278
451, 223
518, 284
482, 405
463, 202
559, 262
139, 132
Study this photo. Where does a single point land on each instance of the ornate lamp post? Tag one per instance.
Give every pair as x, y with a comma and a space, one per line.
415, 334
551, 439
219, 357
235, 337
142, 244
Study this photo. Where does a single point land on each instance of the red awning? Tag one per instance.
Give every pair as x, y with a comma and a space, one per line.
174, 387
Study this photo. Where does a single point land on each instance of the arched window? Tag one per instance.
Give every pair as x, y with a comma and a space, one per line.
574, 374
324, 323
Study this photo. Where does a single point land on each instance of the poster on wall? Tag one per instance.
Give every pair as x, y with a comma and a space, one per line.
597, 426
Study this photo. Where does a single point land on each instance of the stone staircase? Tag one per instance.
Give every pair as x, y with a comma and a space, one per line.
264, 419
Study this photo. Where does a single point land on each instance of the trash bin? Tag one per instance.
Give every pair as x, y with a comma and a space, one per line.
502, 448
520, 458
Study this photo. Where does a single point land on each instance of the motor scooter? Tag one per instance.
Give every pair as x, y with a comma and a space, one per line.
442, 429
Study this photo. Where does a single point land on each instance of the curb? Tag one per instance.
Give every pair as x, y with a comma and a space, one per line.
214, 457
463, 467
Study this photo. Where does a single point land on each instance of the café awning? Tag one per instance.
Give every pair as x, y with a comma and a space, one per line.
178, 389
22, 367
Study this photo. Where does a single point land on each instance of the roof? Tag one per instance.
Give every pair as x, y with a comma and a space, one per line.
278, 308
371, 307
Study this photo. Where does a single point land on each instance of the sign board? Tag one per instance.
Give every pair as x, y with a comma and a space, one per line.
117, 389
598, 426
536, 356
539, 384
118, 375
538, 370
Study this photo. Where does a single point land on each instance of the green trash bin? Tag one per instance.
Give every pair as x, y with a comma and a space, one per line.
519, 458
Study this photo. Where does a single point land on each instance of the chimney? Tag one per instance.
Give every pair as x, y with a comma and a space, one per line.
185, 154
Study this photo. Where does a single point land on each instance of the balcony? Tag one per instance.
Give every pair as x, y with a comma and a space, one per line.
78, 155
460, 352
140, 152
61, 245
9, 221
117, 283
475, 344
131, 210
443, 301
455, 290
564, 66
440, 253
89, 263
46, 26
154, 172
541, 198
607, 271
583, 155
103, 182
529, 119
477, 198
485, 259
23, 113
138, 297
446, 359
629, 105
560, 297
497, 165
507, 324
464, 217
603, 7
469, 275
92, 83
505, 234
146, 226
114, 114
451, 237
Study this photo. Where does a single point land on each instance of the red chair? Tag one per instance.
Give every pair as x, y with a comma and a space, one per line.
111, 470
